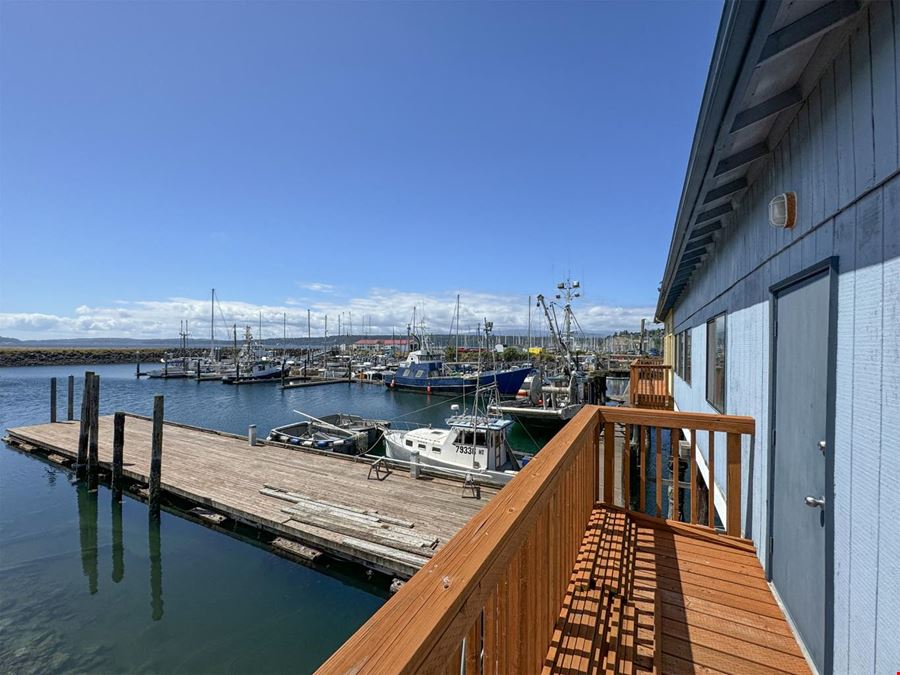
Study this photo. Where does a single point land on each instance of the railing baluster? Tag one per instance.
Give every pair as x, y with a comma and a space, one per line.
693, 470
676, 459
609, 451
643, 470
711, 483
626, 469
733, 484
659, 473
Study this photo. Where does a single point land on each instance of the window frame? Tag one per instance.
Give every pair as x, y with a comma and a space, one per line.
720, 406
686, 348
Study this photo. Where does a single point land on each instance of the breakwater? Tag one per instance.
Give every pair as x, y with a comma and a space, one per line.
13, 357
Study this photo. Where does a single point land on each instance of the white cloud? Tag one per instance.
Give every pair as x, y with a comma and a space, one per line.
317, 287
380, 311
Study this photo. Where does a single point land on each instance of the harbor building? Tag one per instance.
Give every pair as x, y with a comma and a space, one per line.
781, 301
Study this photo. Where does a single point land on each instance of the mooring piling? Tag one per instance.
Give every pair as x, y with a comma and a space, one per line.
118, 452
70, 399
52, 400
156, 456
118, 547
155, 546
84, 430
93, 460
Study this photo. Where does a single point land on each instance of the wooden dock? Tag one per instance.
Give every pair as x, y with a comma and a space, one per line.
653, 596
297, 383
329, 502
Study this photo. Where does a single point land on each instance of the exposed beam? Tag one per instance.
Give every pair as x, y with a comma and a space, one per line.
808, 27
694, 256
700, 243
713, 213
698, 232
745, 156
767, 108
684, 273
725, 190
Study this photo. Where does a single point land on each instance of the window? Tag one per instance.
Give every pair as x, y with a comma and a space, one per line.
715, 362
687, 356
409, 443
678, 348
683, 355
421, 446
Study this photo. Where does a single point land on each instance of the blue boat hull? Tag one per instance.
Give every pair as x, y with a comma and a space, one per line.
508, 382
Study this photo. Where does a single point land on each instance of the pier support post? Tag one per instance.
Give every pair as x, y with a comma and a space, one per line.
70, 399
52, 400
118, 547
251, 435
118, 452
84, 430
415, 468
93, 460
156, 456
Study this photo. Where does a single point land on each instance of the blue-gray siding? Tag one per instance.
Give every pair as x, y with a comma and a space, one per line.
841, 156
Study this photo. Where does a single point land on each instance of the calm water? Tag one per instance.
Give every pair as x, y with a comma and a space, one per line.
88, 586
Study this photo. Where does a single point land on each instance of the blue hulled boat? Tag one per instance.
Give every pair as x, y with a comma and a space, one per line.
424, 371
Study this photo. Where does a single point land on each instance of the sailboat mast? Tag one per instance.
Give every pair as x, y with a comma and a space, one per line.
457, 327
212, 324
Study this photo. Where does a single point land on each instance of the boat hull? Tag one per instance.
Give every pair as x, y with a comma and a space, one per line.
394, 449
508, 382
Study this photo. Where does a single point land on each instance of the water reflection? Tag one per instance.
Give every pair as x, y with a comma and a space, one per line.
118, 548
87, 530
156, 601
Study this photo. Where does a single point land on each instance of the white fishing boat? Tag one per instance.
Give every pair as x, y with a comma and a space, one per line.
471, 444
474, 444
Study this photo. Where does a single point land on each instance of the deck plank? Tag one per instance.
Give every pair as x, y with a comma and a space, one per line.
661, 600
222, 472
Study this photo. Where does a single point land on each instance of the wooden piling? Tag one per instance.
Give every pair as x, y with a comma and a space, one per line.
118, 546
118, 452
70, 399
52, 400
92, 459
156, 455
84, 430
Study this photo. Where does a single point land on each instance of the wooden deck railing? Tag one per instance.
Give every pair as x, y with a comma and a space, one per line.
649, 385
489, 599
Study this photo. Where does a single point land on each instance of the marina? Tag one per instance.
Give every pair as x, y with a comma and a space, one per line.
508, 414
257, 486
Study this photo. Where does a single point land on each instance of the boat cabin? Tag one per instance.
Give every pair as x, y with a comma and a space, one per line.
477, 443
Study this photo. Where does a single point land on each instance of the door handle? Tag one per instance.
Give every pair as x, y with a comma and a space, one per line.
812, 502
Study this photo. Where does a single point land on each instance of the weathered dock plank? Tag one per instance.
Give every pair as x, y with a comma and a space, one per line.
225, 474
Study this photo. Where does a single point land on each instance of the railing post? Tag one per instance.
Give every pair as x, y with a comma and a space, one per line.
733, 508
595, 445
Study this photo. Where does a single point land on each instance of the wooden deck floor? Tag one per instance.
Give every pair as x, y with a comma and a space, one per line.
224, 473
646, 596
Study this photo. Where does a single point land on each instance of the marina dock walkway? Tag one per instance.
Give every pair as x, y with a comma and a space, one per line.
324, 501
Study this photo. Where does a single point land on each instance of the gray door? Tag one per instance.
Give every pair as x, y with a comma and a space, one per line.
798, 555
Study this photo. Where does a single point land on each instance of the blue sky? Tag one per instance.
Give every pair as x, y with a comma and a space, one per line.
360, 157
